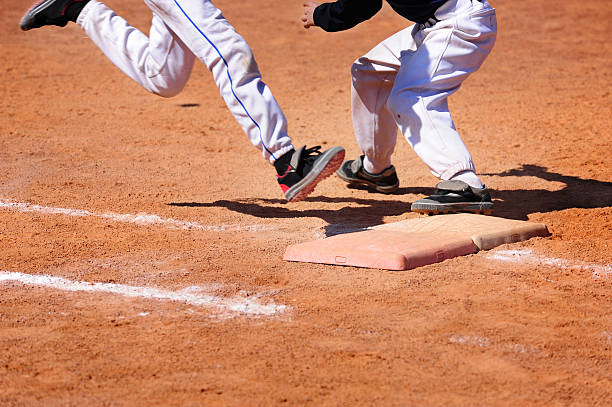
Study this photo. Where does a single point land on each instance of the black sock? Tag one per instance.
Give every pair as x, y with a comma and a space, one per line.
73, 10
282, 163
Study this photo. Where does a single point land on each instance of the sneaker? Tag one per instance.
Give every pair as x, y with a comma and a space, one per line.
455, 196
308, 167
352, 171
51, 12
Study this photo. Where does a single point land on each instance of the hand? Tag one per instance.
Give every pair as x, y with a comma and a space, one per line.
308, 17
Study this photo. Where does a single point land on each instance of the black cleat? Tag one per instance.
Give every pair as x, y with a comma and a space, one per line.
352, 171
308, 167
52, 12
455, 196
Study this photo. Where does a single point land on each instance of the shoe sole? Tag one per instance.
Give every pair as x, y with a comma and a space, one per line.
28, 18
369, 184
329, 162
485, 208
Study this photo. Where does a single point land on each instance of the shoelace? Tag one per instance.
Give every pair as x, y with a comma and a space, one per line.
311, 154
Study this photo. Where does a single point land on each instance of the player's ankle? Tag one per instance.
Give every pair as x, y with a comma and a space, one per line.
282, 163
375, 169
470, 178
74, 9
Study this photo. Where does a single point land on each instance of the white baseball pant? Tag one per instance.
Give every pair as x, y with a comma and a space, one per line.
181, 31
405, 82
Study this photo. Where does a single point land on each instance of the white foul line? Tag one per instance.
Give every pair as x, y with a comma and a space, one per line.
227, 306
483, 342
529, 257
138, 219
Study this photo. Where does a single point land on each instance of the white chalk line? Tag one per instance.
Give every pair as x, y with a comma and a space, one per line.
142, 219
483, 342
227, 307
529, 257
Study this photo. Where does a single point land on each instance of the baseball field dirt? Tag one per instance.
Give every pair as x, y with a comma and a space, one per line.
141, 238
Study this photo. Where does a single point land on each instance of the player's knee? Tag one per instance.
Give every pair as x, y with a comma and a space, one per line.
167, 82
394, 102
168, 89
402, 103
166, 93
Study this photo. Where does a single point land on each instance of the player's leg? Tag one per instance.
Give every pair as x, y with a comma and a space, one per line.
160, 63
227, 55
447, 54
375, 129
163, 62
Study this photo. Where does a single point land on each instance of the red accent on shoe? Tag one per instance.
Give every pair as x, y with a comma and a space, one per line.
68, 5
289, 168
284, 187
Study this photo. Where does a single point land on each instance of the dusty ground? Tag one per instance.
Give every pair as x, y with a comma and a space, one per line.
76, 134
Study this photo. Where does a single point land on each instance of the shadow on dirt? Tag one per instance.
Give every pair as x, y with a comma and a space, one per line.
578, 193
370, 212
512, 204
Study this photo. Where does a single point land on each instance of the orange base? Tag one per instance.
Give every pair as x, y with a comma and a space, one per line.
415, 242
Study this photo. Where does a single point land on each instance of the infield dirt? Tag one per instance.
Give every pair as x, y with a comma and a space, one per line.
475, 330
